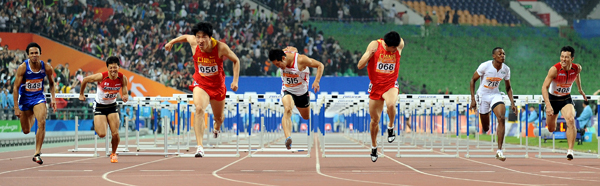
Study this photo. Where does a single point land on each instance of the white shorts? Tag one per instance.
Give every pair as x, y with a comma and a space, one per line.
487, 101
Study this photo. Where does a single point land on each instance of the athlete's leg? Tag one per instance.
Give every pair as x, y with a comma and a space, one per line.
500, 111
304, 112
100, 122
218, 108
568, 112
375, 108
27, 121
391, 97
201, 100
40, 113
286, 120
485, 122
113, 121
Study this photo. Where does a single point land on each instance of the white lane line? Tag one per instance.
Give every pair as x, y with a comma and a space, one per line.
10, 159
278, 170
572, 172
247, 170
470, 171
435, 175
318, 167
167, 170
568, 164
214, 173
533, 174
43, 166
105, 175
65, 170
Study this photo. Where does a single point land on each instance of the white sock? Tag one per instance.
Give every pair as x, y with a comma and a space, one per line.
497, 151
373, 147
200, 147
570, 151
392, 127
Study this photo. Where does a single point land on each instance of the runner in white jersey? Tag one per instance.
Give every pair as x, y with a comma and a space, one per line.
488, 96
105, 106
294, 88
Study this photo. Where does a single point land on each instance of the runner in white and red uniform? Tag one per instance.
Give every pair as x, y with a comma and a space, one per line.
489, 98
557, 94
209, 79
110, 84
383, 58
295, 78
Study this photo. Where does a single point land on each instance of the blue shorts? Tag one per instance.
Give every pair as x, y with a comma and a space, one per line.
27, 103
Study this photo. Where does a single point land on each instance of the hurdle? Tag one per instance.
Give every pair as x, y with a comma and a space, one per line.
272, 111
229, 97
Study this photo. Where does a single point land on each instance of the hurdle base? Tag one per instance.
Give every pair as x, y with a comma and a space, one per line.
425, 156
465, 150
145, 153
494, 156
280, 155
68, 155
99, 149
347, 150
408, 150
366, 155
209, 155
565, 157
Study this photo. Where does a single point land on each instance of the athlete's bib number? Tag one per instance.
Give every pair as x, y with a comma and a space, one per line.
291, 81
208, 70
384, 67
33, 85
562, 89
110, 96
370, 87
492, 82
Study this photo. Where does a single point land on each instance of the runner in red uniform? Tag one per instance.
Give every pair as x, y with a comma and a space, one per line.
209, 78
105, 106
557, 94
383, 57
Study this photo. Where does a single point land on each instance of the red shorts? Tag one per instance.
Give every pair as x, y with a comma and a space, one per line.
215, 93
376, 91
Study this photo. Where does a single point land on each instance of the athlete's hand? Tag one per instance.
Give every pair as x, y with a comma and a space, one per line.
549, 110
168, 46
583, 94
125, 98
53, 105
234, 86
81, 97
473, 104
17, 112
316, 86
513, 108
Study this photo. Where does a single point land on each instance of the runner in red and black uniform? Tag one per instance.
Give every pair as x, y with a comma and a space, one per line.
209, 78
383, 57
557, 94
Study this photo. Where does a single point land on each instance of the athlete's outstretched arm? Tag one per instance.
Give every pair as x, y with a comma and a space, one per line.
290, 49
371, 49
509, 91
93, 78
309, 62
183, 38
472, 86
49, 74
124, 90
18, 80
226, 51
578, 81
551, 75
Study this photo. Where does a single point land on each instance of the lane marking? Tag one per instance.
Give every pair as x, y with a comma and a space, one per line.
471, 171
44, 166
167, 170
105, 175
214, 173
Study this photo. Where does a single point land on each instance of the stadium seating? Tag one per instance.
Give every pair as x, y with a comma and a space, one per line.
471, 12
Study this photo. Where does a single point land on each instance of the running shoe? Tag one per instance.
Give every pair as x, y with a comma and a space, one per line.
36, 158
500, 156
288, 143
569, 155
374, 154
113, 158
199, 152
391, 135
216, 133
